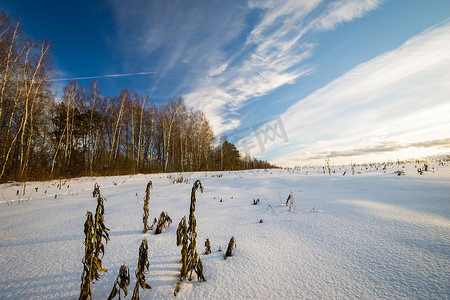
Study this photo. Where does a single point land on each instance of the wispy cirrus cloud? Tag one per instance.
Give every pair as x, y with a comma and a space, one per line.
181, 40
273, 55
396, 102
344, 11
218, 55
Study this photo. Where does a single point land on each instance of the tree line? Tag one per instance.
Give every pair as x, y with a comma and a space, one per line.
87, 133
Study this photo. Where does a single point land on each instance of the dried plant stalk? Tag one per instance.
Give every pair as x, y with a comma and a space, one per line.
231, 246
141, 270
94, 230
163, 223
121, 283
207, 246
190, 260
146, 210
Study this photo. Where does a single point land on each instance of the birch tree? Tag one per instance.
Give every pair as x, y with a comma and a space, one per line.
24, 72
118, 127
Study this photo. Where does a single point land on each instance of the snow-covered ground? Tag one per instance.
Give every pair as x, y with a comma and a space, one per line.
373, 235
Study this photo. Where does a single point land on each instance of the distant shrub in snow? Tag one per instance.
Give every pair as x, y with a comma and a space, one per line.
178, 179
291, 202
121, 283
271, 208
289, 199
96, 191
94, 230
314, 210
141, 270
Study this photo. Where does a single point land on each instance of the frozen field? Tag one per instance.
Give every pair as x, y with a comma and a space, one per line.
374, 235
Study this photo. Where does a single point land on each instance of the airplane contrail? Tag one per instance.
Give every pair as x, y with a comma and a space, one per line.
103, 76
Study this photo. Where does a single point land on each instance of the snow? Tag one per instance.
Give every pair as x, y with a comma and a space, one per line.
374, 235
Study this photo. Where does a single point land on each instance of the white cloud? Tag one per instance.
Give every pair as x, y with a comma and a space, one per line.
191, 41
402, 96
177, 38
219, 70
273, 56
344, 11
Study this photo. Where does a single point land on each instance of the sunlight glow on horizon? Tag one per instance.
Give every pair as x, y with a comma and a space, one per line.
388, 108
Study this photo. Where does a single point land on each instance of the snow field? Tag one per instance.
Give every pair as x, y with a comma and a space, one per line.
377, 235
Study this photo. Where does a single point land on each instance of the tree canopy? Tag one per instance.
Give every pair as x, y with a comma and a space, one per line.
88, 133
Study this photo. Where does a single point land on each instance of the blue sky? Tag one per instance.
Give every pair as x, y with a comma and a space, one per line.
293, 82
